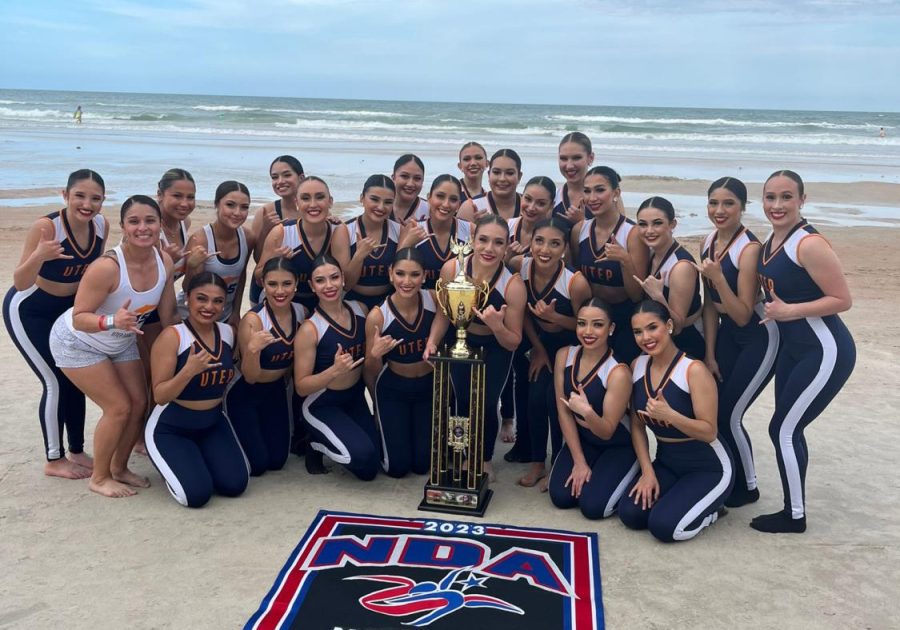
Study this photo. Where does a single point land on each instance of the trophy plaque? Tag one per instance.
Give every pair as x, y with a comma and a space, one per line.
457, 483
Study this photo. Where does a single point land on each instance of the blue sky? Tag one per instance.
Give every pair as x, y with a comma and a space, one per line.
804, 54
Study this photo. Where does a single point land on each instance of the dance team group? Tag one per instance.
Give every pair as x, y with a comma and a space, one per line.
594, 331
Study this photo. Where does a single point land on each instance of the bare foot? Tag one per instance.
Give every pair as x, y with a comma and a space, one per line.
129, 478
507, 431
489, 471
545, 483
82, 459
109, 487
140, 448
536, 472
66, 469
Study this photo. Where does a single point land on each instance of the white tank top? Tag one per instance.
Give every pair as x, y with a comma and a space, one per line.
229, 270
142, 302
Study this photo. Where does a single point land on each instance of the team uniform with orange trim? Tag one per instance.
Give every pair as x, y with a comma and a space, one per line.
403, 404
695, 477
540, 399
418, 211
599, 270
689, 338
29, 316
340, 423
374, 272
261, 412
816, 356
196, 451
746, 359
229, 270
302, 257
466, 194
613, 462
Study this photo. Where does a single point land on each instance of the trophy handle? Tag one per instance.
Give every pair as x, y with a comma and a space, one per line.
440, 292
484, 292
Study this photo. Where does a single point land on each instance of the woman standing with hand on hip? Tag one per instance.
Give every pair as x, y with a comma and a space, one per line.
805, 289
95, 346
58, 249
739, 352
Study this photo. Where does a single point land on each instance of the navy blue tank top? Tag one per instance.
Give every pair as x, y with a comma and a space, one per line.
729, 258
558, 288
303, 255
674, 386
591, 256
594, 385
780, 270
71, 270
675, 255
280, 354
414, 334
496, 287
563, 203
375, 266
330, 334
433, 257
211, 383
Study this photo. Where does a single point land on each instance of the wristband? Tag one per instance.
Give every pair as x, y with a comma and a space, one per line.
101, 322
110, 322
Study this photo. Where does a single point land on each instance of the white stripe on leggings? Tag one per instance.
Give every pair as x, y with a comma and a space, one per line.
343, 454
704, 503
620, 490
385, 462
168, 475
795, 414
232, 383
51, 403
745, 454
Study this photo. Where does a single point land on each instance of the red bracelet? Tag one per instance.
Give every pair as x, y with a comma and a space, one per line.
101, 323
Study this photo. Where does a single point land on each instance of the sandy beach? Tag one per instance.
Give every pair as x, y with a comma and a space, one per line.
75, 559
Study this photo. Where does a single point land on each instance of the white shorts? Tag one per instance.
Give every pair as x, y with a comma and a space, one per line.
71, 352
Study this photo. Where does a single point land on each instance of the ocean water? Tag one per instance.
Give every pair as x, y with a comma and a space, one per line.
132, 138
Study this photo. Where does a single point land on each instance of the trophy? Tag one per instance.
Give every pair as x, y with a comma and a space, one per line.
457, 483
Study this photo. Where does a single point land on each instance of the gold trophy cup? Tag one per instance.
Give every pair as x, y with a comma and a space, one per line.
459, 298
457, 483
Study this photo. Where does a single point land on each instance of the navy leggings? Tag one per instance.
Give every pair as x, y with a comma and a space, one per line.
694, 480
622, 342
341, 426
613, 468
816, 358
404, 417
261, 416
746, 359
29, 316
691, 342
196, 452
542, 413
498, 361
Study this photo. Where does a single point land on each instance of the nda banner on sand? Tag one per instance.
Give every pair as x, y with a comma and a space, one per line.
356, 572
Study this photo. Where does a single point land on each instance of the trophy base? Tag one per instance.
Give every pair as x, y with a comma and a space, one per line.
457, 500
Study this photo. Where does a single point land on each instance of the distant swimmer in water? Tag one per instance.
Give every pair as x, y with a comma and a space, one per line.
77, 115
881, 133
